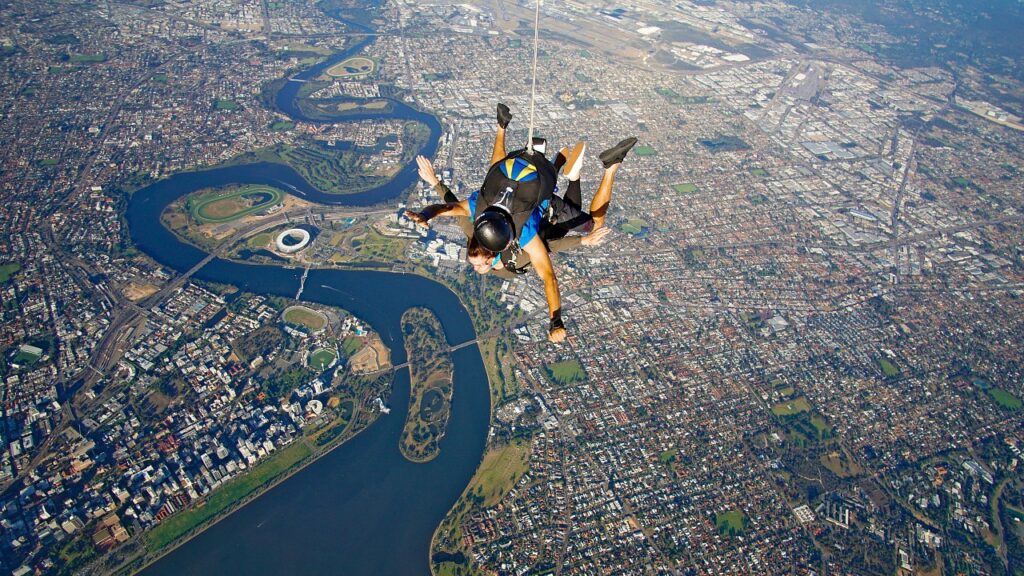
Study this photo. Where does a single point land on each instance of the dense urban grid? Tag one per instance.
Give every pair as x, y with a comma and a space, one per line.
799, 352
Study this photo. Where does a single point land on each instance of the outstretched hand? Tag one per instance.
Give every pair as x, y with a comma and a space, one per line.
417, 218
597, 237
557, 335
426, 170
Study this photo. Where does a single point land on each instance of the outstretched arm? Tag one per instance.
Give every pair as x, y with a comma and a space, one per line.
595, 238
542, 264
434, 210
427, 173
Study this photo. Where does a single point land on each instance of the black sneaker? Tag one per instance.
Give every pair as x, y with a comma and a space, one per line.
616, 153
504, 115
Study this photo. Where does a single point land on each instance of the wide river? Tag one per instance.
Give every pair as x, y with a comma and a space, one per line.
363, 508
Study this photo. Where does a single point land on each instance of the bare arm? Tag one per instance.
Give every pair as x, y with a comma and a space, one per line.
542, 264
595, 238
430, 212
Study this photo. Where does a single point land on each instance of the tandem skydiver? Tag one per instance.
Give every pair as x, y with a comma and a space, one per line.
552, 225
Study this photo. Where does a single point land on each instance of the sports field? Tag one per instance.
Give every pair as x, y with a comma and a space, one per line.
1005, 399
321, 359
305, 318
219, 208
354, 66
888, 368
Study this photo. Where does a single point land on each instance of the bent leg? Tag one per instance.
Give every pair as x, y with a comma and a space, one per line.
599, 205
498, 152
574, 194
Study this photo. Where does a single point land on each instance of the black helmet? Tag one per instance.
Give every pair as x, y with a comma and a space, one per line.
493, 229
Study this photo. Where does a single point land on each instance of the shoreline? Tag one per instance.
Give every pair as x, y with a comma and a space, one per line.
248, 499
143, 559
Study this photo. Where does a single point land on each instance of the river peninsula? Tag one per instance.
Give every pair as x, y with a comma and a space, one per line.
338, 513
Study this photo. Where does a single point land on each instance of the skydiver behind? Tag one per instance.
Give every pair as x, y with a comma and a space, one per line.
567, 228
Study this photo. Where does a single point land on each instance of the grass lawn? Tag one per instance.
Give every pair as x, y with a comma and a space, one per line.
48, 162
227, 495
282, 126
668, 455
260, 240
634, 226
888, 368
821, 426
1005, 399
321, 359
226, 105
305, 317
791, 407
644, 151
685, 188
336, 428
25, 358
351, 344
841, 465
759, 172
757, 199
731, 522
666, 92
566, 372
8, 270
500, 470
75, 554
379, 248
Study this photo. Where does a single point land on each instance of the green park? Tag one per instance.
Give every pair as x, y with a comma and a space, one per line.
7, 271
565, 372
730, 523
634, 226
791, 407
1005, 399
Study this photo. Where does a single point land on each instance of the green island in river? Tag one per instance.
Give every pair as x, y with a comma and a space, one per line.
430, 380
